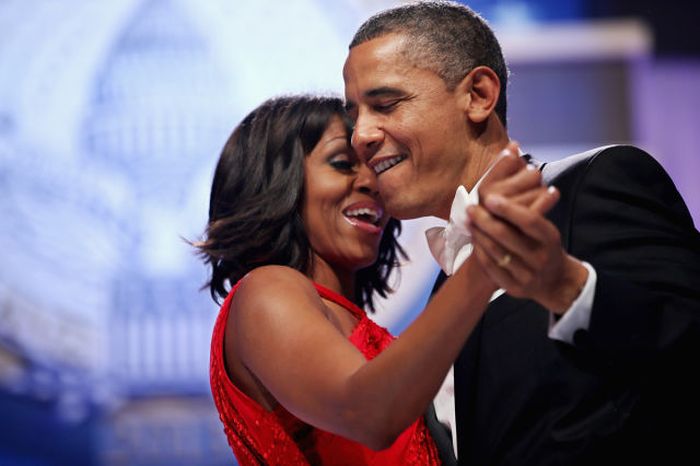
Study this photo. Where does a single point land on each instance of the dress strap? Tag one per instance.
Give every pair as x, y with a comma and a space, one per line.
340, 299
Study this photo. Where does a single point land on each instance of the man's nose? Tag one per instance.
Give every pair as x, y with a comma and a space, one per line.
366, 138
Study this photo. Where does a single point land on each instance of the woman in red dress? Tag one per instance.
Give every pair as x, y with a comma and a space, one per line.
298, 242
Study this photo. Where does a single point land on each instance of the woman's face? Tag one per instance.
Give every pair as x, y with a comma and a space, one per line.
342, 212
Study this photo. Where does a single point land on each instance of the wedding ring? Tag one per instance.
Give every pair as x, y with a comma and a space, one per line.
505, 260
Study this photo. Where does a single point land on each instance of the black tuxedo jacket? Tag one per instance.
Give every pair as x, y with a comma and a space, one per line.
625, 392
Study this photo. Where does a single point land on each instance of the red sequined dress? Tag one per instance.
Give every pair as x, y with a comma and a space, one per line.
258, 436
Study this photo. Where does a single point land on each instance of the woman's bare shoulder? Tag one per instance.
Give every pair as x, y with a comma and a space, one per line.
272, 290
272, 281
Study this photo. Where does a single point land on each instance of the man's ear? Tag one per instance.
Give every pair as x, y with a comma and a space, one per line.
480, 89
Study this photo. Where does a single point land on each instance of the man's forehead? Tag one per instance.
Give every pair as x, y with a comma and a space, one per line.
375, 68
381, 50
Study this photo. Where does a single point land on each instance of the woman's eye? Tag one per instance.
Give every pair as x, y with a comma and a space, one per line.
343, 165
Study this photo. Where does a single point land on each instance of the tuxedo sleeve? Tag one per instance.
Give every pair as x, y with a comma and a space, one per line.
630, 223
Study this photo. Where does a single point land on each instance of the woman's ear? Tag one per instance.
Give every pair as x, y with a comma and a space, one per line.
480, 90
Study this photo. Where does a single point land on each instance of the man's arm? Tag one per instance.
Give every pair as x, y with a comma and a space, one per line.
627, 220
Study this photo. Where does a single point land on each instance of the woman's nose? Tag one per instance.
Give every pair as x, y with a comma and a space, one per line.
366, 180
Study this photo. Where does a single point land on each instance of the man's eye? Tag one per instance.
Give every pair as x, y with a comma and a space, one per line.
386, 106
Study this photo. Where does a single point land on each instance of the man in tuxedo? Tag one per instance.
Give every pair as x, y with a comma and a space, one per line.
587, 353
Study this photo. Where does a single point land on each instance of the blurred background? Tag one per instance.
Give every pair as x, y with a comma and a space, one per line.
112, 115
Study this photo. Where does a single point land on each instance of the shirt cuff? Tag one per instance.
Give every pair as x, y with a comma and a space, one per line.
578, 316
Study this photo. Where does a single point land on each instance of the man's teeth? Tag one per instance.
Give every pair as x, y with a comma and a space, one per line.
386, 164
373, 215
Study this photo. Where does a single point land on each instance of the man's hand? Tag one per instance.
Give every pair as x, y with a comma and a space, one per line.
521, 251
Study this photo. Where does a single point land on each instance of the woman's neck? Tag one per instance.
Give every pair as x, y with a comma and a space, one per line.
340, 281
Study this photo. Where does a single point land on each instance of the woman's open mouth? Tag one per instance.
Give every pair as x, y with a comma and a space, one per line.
365, 215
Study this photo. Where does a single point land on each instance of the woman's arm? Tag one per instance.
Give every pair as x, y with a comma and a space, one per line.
278, 330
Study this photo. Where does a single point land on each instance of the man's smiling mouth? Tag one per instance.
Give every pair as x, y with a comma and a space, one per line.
382, 165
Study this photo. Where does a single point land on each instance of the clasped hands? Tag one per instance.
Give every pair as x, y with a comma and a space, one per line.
517, 247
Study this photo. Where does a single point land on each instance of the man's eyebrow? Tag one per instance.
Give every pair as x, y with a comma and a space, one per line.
384, 91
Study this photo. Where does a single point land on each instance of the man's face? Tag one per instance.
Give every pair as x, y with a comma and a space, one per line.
408, 127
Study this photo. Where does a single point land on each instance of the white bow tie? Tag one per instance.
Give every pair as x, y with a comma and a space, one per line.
451, 245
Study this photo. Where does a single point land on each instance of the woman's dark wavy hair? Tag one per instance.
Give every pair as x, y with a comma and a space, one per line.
257, 195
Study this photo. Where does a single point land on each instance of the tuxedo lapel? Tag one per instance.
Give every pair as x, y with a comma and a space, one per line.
561, 209
466, 370
465, 373
441, 436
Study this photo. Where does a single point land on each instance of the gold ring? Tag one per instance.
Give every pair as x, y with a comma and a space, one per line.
505, 260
